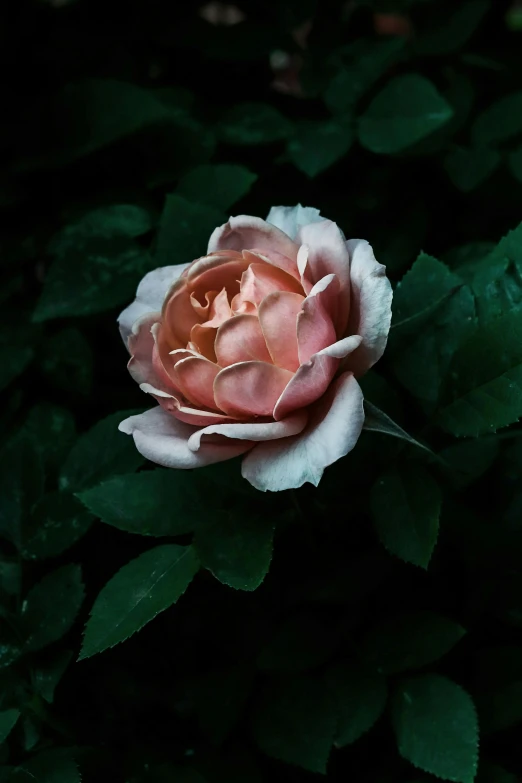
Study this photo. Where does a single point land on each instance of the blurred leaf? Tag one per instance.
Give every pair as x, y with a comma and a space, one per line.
302, 641
101, 452
218, 185
405, 504
406, 110
436, 727
351, 82
470, 167
500, 121
220, 696
21, 486
52, 430
453, 31
46, 676
515, 163
136, 594
360, 694
498, 688
409, 641
318, 146
50, 766
184, 230
153, 503
468, 460
114, 220
31, 732
465, 258
483, 396
8, 719
295, 721
51, 606
376, 420
10, 576
253, 123
16, 353
67, 361
237, 548
57, 521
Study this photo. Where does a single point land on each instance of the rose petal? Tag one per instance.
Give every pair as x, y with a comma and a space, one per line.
195, 377
246, 232
240, 339
202, 309
370, 314
204, 337
278, 318
175, 407
302, 263
313, 378
203, 264
274, 259
240, 307
219, 310
178, 318
291, 219
254, 431
164, 440
225, 276
250, 388
141, 345
315, 322
328, 254
333, 430
149, 296
259, 280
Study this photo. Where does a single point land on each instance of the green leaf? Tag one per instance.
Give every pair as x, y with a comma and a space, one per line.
136, 594
407, 110
515, 163
237, 548
360, 694
220, 696
405, 504
303, 641
295, 721
21, 486
50, 608
50, 766
249, 124
470, 167
433, 314
101, 452
369, 63
67, 361
153, 503
8, 720
436, 727
500, 121
57, 521
52, 430
184, 230
16, 353
318, 146
218, 185
376, 420
468, 460
410, 641
46, 676
483, 396
114, 220
453, 31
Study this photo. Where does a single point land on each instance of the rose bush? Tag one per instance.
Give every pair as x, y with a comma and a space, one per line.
255, 348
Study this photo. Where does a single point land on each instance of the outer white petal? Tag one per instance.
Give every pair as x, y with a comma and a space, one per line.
254, 431
334, 427
149, 296
291, 219
163, 439
370, 307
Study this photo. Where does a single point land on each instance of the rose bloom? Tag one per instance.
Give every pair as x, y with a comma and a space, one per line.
255, 348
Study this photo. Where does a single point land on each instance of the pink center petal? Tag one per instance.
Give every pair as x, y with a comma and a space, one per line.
178, 318
275, 259
250, 388
278, 318
225, 276
240, 339
240, 306
259, 280
219, 310
202, 309
203, 337
195, 377
315, 322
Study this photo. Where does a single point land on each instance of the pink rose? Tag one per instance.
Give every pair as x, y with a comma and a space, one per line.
254, 348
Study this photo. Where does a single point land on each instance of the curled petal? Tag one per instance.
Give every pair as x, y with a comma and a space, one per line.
219, 310
278, 318
250, 388
178, 317
240, 339
211, 261
291, 219
313, 378
150, 295
333, 429
328, 254
164, 440
302, 264
246, 232
259, 280
174, 405
203, 338
274, 259
224, 276
254, 431
239, 306
203, 309
370, 314
141, 345
315, 322
195, 377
